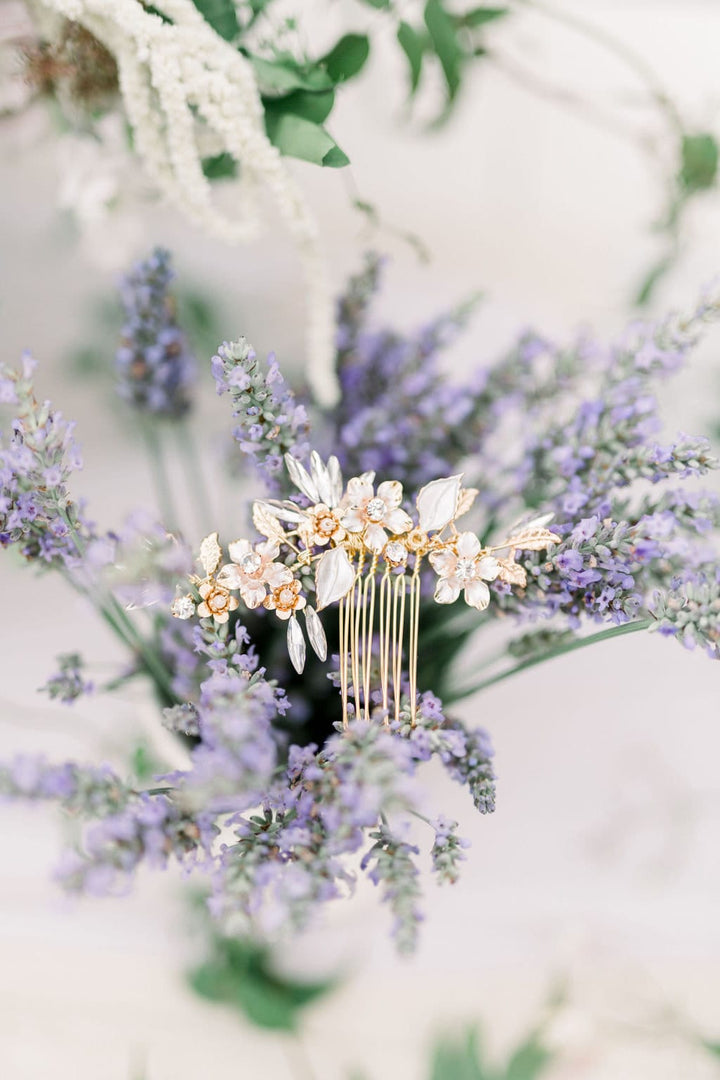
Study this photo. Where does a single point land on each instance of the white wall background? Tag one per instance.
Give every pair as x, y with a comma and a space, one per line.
601, 862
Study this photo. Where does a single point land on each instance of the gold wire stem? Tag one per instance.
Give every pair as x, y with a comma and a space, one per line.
343, 632
398, 633
414, 635
355, 597
385, 614
368, 615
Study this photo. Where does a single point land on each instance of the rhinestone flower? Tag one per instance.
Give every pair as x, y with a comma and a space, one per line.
372, 514
252, 569
464, 569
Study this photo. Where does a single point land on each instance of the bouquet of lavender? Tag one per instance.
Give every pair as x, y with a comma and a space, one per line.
393, 528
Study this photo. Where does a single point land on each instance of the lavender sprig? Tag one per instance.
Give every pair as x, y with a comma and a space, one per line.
155, 366
69, 683
270, 421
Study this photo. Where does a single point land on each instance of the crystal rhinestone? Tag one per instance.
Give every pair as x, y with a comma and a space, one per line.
183, 607
395, 553
375, 510
465, 569
250, 563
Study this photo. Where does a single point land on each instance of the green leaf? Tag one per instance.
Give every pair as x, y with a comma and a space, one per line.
238, 973
413, 46
458, 1060
221, 15
313, 106
699, 167
529, 1060
280, 76
381, 5
347, 58
443, 33
297, 137
220, 167
652, 279
479, 16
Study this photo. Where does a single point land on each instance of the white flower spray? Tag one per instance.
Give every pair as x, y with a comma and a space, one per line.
185, 89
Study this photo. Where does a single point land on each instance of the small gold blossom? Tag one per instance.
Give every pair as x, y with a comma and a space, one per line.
417, 541
217, 603
285, 600
323, 525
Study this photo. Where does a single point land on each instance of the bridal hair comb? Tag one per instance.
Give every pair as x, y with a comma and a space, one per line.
355, 546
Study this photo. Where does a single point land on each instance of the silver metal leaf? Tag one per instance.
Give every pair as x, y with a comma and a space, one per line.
315, 632
296, 644
284, 511
334, 577
321, 478
336, 480
210, 553
301, 478
437, 503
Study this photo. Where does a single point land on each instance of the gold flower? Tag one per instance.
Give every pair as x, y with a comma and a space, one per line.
323, 525
217, 603
285, 600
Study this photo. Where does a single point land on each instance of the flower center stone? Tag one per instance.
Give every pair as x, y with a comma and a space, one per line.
465, 569
250, 563
218, 601
375, 510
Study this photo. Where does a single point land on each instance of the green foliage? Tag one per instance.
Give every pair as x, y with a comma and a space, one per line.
221, 15
699, 162
413, 46
144, 764
444, 36
240, 974
347, 58
452, 38
284, 73
462, 1059
220, 167
297, 137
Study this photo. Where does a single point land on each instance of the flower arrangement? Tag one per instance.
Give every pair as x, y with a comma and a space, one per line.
290, 765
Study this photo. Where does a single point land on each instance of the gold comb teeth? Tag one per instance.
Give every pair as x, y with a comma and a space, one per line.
367, 554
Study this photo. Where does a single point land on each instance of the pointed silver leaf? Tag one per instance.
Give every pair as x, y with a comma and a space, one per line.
334, 577
301, 478
336, 481
321, 478
296, 644
284, 511
437, 503
316, 633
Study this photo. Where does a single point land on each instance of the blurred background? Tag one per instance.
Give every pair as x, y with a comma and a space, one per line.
600, 868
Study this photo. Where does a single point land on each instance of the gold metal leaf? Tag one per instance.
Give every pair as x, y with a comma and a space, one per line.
511, 573
210, 553
266, 523
465, 501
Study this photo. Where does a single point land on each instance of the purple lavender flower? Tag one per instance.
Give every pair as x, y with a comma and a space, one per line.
69, 683
154, 364
270, 421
